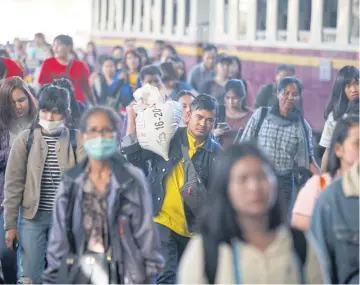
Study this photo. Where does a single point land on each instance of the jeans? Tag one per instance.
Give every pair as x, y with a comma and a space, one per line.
172, 246
7, 257
287, 193
33, 238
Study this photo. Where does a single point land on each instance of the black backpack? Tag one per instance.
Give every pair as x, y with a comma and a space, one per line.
263, 114
211, 253
73, 141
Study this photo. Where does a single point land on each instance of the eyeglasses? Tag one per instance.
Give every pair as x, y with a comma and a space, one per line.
293, 95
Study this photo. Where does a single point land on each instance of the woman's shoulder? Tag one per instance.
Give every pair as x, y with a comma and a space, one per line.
330, 121
256, 114
24, 134
317, 182
309, 193
184, 86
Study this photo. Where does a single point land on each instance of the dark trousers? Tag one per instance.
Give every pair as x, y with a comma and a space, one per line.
7, 257
172, 246
287, 193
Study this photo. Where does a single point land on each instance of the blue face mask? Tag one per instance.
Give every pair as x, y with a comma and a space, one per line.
100, 148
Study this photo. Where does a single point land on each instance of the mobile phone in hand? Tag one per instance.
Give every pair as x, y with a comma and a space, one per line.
15, 244
224, 126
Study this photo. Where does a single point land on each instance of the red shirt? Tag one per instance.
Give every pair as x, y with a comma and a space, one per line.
78, 74
12, 68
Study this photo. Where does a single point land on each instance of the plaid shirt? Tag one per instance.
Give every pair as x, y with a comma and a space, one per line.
280, 141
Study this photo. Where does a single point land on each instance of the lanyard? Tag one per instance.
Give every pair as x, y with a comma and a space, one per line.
235, 254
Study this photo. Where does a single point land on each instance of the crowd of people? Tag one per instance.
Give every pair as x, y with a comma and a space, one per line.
243, 198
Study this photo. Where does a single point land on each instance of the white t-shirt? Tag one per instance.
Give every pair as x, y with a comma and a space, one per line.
328, 131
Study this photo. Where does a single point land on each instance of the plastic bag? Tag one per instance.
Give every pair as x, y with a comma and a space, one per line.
157, 120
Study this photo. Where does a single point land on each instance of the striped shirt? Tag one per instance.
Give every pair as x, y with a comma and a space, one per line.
51, 176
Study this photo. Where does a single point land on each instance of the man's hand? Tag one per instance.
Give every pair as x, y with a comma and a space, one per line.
10, 235
218, 132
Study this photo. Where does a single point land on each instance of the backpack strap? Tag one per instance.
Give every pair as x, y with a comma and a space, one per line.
68, 218
300, 247
3, 71
73, 142
30, 141
263, 114
305, 130
68, 68
210, 258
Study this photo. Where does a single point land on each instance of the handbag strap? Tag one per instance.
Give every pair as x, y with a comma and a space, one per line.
68, 218
236, 261
68, 68
185, 152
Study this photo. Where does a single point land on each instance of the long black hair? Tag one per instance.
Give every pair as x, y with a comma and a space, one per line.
7, 87
76, 107
53, 97
143, 51
340, 134
238, 87
239, 73
177, 59
135, 54
218, 220
338, 100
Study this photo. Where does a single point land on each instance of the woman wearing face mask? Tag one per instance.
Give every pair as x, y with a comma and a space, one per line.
343, 153
243, 238
17, 111
36, 162
110, 208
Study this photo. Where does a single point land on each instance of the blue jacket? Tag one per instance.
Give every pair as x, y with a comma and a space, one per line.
180, 86
335, 225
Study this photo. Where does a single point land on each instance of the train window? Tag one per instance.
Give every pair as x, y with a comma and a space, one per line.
124, 12
330, 13
261, 20
355, 22
226, 16
330, 21
187, 14
261, 15
142, 15
243, 15
162, 13
282, 15
305, 15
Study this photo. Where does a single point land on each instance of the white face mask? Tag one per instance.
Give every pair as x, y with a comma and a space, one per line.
52, 127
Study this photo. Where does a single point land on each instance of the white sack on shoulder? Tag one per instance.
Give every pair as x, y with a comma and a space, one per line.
157, 120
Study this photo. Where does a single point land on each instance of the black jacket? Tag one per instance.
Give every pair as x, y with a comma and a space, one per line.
156, 168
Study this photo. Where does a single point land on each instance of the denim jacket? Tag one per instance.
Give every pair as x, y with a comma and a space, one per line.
134, 238
156, 168
335, 225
